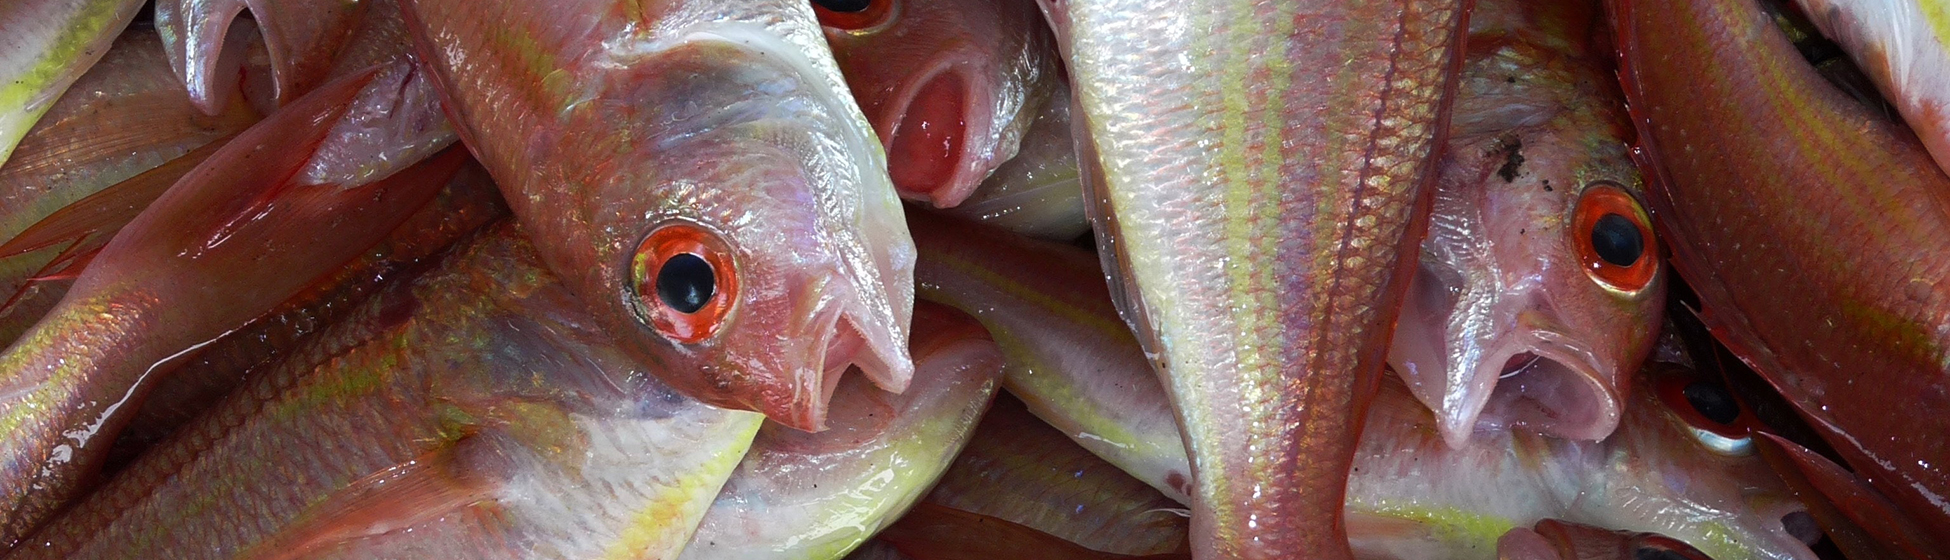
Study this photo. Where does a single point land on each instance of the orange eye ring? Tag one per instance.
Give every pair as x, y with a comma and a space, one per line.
853, 15
1714, 417
1614, 239
686, 281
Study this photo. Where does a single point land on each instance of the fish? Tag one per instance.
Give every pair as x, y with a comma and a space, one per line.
302, 39
468, 202
1807, 223
126, 116
1557, 540
1540, 286
1861, 521
1669, 468
1039, 192
1258, 176
228, 242
950, 86
821, 495
473, 411
50, 43
1049, 309
697, 173
1021, 470
936, 532
1901, 46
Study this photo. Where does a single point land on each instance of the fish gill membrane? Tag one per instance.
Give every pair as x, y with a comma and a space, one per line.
1669, 468
950, 86
820, 495
229, 241
46, 46
474, 411
699, 175
1808, 224
1540, 287
1258, 172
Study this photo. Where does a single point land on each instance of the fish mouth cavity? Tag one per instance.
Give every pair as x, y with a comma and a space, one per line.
927, 136
1550, 392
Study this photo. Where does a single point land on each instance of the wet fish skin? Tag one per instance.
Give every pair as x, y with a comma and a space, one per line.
48, 45
126, 115
1258, 186
1049, 309
1904, 47
302, 39
1038, 193
762, 158
1021, 470
821, 495
1558, 540
1814, 253
226, 243
950, 86
554, 443
1512, 317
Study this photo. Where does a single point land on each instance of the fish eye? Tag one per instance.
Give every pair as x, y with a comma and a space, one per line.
852, 15
1614, 239
685, 280
1710, 413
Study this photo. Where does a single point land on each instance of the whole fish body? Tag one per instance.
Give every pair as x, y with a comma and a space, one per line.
1901, 44
125, 116
48, 45
1410, 494
475, 411
696, 172
949, 86
1261, 167
1514, 315
1809, 225
1019, 469
820, 495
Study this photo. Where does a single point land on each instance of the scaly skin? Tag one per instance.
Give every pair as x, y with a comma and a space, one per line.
1412, 494
1904, 46
1504, 323
551, 442
125, 116
1262, 168
818, 496
1019, 469
47, 45
949, 85
1811, 228
608, 122
222, 246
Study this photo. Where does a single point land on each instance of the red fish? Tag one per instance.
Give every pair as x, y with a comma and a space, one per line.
1811, 227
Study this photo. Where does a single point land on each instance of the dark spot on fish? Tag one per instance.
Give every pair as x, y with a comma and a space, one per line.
1713, 402
1510, 80
398, 309
1177, 480
1512, 159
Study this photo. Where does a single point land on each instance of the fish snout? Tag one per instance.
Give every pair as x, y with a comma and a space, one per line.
840, 330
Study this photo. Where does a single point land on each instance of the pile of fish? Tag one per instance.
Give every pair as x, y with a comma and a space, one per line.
960, 279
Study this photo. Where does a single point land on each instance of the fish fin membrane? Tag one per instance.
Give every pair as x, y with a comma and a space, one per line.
87, 224
429, 486
1857, 518
936, 532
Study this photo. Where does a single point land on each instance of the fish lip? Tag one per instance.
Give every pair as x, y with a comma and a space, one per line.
1459, 418
962, 178
841, 345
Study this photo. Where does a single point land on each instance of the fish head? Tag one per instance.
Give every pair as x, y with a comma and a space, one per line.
1683, 464
949, 85
1540, 286
750, 246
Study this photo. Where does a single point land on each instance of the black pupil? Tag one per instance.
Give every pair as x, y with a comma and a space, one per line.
1649, 553
844, 6
686, 283
1712, 402
1617, 240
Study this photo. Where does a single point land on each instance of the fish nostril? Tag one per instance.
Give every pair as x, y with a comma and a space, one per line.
1802, 527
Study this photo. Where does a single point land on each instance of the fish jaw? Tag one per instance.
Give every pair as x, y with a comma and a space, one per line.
1038, 193
1527, 375
301, 39
949, 87
728, 119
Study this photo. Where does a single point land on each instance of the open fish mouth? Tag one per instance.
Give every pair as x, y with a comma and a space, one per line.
845, 346
1546, 387
930, 155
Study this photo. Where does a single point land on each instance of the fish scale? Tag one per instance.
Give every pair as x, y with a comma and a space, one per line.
1260, 186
